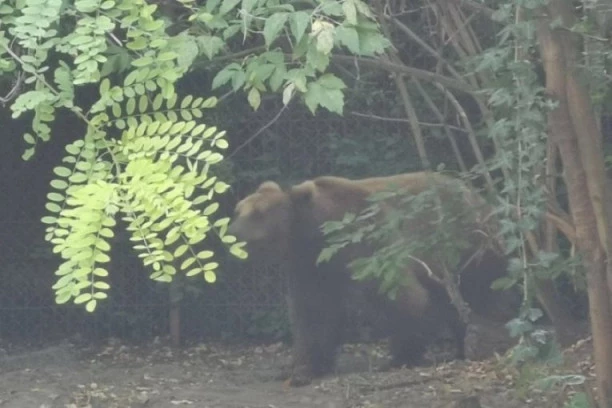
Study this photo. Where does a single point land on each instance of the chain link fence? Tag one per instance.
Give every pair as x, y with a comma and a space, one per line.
247, 301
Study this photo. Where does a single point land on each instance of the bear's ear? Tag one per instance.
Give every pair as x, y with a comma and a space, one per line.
303, 193
269, 186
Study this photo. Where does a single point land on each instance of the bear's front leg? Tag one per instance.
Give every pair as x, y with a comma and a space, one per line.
317, 318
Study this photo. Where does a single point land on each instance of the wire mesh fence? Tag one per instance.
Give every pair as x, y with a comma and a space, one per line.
247, 301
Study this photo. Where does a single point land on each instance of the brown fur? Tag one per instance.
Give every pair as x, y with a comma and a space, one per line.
286, 224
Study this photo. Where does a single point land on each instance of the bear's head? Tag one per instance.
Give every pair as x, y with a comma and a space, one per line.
271, 219
263, 220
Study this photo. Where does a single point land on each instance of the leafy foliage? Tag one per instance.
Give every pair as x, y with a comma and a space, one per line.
144, 155
437, 220
312, 32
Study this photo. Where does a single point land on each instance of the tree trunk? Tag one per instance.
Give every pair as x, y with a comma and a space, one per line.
573, 129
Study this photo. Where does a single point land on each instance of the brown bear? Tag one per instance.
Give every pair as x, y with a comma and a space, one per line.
286, 224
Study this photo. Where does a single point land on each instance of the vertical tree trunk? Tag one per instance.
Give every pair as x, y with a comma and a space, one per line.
571, 128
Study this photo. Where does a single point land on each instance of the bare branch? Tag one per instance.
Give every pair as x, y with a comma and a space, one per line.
412, 72
252, 137
424, 124
447, 128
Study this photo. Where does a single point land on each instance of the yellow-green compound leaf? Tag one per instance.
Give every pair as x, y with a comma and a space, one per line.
100, 295
214, 158
209, 132
210, 276
102, 245
164, 278
143, 103
101, 257
198, 129
197, 102
186, 101
130, 106
55, 197
104, 86
100, 272
173, 235
62, 171
228, 239
181, 250
186, 115
101, 285
205, 254
53, 207
63, 298
157, 102
221, 187
193, 272
143, 61
222, 144
107, 233
210, 209
63, 281
91, 305
59, 184
237, 250
48, 220
77, 178
210, 102
254, 98
116, 110
210, 266
139, 43
82, 298
170, 102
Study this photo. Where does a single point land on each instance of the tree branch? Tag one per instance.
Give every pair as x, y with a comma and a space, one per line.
379, 63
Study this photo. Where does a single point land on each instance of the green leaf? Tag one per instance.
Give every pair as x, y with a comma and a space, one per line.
187, 263
350, 11
82, 298
349, 37
323, 32
49, 220
211, 45
62, 171
210, 277
225, 75
205, 254
298, 23
53, 207
143, 61
227, 5
178, 252
330, 81
273, 26
139, 43
143, 103
91, 305
325, 92
193, 272
210, 209
254, 98
100, 272
238, 252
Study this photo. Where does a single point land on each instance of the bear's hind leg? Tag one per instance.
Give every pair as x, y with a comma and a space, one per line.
407, 348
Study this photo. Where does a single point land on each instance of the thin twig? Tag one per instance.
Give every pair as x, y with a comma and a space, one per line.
427, 124
406, 30
447, 127
471, 136
421, 74
267, 125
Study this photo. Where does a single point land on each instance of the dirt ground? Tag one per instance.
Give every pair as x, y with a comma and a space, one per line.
213, 375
